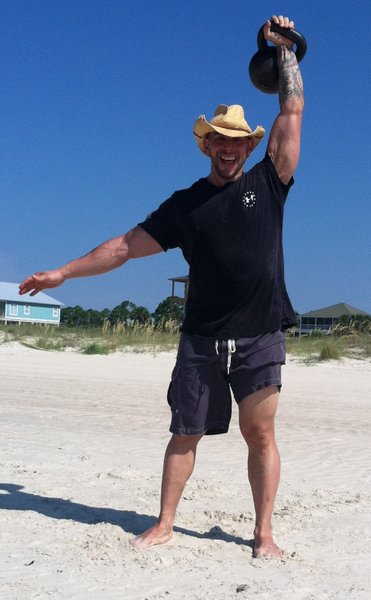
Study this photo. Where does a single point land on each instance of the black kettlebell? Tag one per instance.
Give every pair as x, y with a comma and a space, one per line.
263, 69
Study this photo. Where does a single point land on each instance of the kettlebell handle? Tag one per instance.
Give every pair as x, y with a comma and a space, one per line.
291, 34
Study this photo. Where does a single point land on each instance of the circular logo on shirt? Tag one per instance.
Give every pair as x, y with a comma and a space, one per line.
249, 199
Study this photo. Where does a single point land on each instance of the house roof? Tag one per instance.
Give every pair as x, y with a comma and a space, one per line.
336, 311
9, 292
180, 279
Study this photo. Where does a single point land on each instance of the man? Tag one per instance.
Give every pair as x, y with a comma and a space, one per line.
229, 227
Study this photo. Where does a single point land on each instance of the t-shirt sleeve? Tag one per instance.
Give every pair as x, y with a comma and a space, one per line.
162, 224
280, 189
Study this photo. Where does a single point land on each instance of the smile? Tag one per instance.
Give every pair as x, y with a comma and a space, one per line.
228, 158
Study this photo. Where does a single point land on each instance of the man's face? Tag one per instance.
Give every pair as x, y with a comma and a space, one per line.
227, 155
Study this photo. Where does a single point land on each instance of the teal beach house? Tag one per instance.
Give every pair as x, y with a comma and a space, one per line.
27, 309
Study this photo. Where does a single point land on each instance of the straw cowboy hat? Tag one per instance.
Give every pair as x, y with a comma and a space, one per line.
229, 121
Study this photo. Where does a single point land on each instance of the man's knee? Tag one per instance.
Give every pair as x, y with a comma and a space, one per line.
182, 444
257, 436
257, 414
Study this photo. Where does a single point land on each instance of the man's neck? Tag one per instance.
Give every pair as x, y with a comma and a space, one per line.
218, 181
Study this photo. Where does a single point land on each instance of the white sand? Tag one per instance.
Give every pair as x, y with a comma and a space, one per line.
82, 442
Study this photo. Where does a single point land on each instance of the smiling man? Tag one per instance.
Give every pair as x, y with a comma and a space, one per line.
227, 155
229, 227
228, 140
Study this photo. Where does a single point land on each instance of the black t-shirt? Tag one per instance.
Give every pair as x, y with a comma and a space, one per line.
231, 238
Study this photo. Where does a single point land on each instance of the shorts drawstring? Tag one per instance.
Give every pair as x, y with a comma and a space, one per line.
231, 346
231, 350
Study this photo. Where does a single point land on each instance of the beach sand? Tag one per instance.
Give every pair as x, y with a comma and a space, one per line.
82, 444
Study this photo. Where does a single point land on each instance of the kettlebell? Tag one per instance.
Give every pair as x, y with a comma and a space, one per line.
263, 69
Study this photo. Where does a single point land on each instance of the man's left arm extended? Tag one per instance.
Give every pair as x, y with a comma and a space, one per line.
284, 140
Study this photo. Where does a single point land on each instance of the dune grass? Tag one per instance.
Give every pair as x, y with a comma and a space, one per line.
93, 340
319, 347
147, 338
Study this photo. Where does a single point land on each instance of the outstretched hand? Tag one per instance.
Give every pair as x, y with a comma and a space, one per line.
40, 281
276, 38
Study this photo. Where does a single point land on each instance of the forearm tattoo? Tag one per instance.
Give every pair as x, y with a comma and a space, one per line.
290, 81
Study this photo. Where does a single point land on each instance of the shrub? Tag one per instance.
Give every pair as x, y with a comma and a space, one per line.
329, 351
95, 348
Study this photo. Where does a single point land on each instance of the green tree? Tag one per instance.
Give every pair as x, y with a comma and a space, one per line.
169, 309
122, 312
74, 316
141, 315
95, 317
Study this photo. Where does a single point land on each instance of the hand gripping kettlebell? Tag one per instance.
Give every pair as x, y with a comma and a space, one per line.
263, 68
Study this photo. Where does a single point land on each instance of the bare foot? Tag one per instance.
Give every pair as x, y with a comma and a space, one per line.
153, 536
266, 549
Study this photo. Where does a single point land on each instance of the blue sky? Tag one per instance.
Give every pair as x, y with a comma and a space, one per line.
98, 101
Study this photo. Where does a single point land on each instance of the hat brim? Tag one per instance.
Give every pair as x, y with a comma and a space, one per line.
202, 128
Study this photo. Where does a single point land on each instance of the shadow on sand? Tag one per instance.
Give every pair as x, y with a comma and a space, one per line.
13, 498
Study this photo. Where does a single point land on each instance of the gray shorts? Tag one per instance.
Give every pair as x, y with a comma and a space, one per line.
207, 370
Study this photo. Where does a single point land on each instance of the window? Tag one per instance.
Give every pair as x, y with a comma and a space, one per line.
26, 310
13, 310
55, 312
